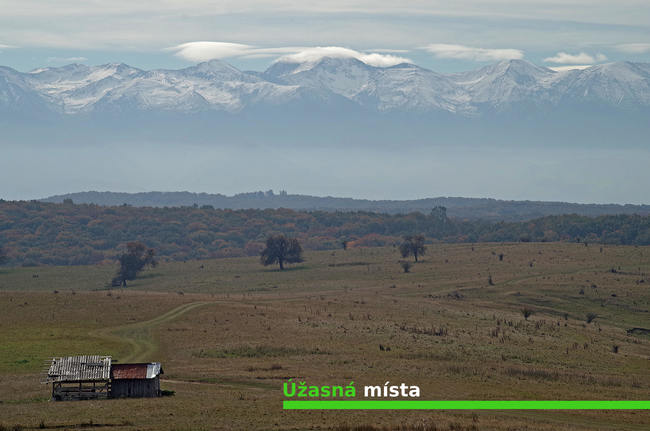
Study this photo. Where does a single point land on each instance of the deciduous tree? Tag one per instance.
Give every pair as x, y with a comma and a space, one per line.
136, 257
281, 249
413, 245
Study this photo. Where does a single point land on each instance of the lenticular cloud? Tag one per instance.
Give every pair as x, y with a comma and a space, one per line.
205, 50
462, 52
317, 53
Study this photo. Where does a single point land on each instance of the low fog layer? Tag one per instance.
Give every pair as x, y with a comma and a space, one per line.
573, 175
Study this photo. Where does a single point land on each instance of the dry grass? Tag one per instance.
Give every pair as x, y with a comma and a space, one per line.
441, 326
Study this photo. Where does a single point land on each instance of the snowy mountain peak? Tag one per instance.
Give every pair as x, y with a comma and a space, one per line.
521, 66
622, 84
624, 70
215, 68
402, 87
519, 71
121, 68
286, 67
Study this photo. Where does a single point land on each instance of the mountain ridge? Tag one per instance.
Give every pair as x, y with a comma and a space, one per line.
332, 102
466, 208
219, 86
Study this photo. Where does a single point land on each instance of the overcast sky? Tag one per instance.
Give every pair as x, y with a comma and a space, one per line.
442, 35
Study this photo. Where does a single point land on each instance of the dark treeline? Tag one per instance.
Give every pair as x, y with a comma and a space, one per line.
35, 233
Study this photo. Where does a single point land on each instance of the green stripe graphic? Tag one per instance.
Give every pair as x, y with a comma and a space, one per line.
464, 405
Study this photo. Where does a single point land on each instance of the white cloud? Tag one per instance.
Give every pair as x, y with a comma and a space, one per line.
382, 60
204, 51
391, 50
463, 52
581, 58
634, 48
272, 52
66, 59
316, 53
571, 67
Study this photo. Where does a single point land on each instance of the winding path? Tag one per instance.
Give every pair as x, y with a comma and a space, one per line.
138, 335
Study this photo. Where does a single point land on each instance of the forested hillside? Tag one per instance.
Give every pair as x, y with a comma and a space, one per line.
466, 208
35, 233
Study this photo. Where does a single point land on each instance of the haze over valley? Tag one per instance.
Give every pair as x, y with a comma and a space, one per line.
332, 125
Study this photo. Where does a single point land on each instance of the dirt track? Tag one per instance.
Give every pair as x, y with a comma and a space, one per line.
138, 335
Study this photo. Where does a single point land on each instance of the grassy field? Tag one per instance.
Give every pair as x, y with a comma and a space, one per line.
229, 332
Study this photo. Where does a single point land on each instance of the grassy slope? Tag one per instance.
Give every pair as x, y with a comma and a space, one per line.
323, 322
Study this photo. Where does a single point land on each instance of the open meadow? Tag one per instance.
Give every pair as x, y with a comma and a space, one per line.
230, 332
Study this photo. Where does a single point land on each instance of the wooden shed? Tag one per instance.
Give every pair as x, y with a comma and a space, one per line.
79, 377
136, 380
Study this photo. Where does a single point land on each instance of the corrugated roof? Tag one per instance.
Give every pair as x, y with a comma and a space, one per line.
79, 368
136, 371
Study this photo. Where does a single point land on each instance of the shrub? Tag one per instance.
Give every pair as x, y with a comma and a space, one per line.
526, 312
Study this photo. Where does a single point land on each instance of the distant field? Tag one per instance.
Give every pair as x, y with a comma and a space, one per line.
229, 332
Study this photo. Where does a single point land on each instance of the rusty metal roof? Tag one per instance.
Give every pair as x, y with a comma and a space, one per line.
136, 371
79, 368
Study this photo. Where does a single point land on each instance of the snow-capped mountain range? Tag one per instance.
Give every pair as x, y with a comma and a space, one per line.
216, 86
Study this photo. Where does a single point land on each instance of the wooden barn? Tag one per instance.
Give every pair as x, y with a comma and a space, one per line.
94, 376
80, 377
136, 380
